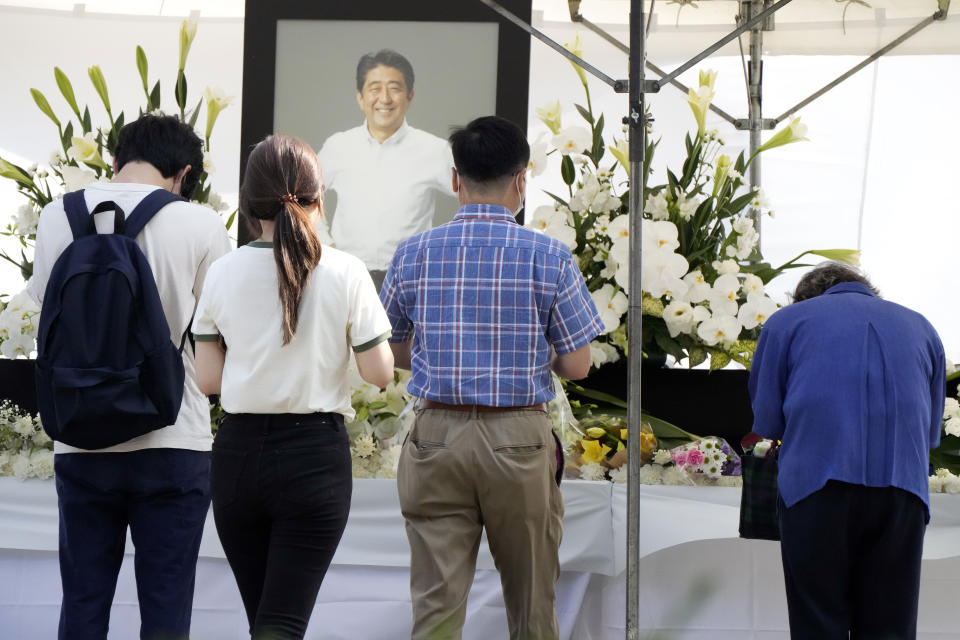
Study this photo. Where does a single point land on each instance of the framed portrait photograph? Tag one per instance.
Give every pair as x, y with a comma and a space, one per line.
376, 87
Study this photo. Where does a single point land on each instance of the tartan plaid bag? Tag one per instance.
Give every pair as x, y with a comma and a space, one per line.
758, 501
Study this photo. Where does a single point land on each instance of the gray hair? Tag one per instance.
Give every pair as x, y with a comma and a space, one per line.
827, 274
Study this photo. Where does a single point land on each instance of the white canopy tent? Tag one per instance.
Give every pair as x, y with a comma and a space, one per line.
874, 175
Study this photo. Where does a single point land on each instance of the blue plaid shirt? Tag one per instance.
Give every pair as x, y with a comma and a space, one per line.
484, 299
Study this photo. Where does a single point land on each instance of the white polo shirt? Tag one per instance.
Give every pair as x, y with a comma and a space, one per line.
340, 312
180, 243
386, 192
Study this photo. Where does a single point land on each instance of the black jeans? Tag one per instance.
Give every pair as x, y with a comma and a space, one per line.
281, 489
851, 562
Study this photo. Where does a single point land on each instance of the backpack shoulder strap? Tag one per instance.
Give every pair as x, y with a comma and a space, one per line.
78, 215
141, 215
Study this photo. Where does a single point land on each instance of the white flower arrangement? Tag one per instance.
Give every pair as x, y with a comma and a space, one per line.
377, 432
19, 320
703, 274
85, 153
25, 449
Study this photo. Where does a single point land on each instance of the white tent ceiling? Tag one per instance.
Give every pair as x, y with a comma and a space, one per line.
679, 28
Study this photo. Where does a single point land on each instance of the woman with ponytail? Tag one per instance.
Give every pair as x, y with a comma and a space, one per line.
291, 312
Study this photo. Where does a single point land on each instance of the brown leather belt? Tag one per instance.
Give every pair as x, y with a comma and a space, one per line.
482, 408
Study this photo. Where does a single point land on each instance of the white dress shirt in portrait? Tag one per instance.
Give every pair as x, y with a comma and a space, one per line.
386, 191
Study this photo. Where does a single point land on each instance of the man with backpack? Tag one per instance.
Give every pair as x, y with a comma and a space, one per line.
106, 364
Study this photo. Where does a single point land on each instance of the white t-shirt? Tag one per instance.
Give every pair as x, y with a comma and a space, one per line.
339, 310
386, 192
180, 242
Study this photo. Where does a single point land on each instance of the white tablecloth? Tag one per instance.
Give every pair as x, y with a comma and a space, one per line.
697, 580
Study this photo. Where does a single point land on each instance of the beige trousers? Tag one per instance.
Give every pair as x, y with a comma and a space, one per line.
459, 472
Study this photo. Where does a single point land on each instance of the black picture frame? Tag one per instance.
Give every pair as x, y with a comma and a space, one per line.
260, 49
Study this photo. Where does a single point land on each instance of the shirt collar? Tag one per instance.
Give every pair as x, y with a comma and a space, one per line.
484, 211
849, 287
396, 138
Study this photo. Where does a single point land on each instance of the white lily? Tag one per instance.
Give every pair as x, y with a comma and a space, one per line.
572, 140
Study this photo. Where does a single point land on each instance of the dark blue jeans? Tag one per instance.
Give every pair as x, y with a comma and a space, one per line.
281, 495
163, 495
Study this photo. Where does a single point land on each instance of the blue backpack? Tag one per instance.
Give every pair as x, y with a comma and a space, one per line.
107, 370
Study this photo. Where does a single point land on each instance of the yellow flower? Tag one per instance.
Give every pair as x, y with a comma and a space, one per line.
596, 432
699, 101
621, 151
793, 132
217, 101
623, 434
593, 451
85, 150
707, 78
550, 116
188, 31
724, 163
577, 50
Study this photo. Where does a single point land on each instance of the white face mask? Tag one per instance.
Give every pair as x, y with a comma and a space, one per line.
520, 206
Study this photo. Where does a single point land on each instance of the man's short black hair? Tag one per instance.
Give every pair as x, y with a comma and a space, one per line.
489, 149
386, 58
825, 275
164, 142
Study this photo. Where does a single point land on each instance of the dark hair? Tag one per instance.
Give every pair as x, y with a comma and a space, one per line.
281, 181
386, 58
164, 142
825, 275
489, 149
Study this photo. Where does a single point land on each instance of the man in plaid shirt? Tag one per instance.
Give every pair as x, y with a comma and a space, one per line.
482, 309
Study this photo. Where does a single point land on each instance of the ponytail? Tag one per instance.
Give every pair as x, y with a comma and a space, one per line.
296, 249
282, 182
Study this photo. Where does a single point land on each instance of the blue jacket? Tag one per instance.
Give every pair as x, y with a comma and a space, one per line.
854, 387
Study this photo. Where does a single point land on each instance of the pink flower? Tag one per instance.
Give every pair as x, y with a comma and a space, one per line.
695, 457
680, 458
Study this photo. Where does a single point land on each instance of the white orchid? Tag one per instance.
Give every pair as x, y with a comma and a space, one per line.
698, 287
719, 329
679, 318
658, 234
724, 267
723, 295
756, 311
752, 285
662, 271
572, 140
548, 220
538, 158
611, 304
601, 353
686, 207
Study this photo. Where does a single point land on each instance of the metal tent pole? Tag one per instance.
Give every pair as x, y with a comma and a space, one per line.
755, 98
637, 124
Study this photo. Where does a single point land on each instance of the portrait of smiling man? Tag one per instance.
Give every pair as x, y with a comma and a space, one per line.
385, 173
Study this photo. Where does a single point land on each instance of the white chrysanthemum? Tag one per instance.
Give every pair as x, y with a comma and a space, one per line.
23, 426
389, 459
657, 206
675, 476
619, 475
662, 457
363, 445
650, 474
686, 207
723, 267
951, 484
593, 471
41, 464
936, 484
